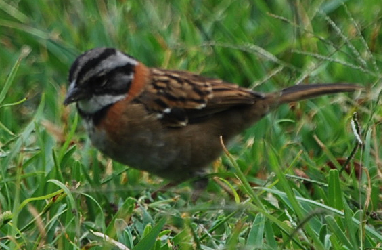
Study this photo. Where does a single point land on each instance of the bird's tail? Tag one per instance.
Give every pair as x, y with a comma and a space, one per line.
301, 92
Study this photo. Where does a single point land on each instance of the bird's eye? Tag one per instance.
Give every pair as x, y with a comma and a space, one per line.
103, 83
100, 84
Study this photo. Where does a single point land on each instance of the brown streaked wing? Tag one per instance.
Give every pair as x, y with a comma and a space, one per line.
181, 97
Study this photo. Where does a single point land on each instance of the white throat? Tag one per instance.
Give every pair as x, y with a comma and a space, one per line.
96, 103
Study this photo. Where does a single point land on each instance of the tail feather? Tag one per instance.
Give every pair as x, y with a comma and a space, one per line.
301, 92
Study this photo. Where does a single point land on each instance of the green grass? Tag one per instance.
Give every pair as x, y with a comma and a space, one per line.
58, 192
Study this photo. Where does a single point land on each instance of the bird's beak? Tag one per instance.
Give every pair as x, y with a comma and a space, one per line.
74, 94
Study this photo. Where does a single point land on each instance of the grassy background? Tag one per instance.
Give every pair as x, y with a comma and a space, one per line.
287, 188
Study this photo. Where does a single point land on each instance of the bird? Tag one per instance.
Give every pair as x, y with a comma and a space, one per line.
168, 122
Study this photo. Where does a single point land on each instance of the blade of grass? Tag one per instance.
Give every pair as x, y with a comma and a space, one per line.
8, 82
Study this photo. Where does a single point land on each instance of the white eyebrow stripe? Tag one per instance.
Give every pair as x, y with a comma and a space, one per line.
109, 63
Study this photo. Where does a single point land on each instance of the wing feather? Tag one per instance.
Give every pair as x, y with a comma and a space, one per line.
180, 97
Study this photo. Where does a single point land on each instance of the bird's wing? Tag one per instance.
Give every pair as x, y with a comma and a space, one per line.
180, 97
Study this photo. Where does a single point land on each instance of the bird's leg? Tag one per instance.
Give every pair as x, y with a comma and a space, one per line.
199, 186
164, 188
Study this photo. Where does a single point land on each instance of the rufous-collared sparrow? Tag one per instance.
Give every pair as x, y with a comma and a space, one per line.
167, 122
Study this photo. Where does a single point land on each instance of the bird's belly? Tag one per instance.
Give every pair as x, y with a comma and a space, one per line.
143, 150
175, 154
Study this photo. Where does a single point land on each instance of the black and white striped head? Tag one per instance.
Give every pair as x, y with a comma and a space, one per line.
98, 78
